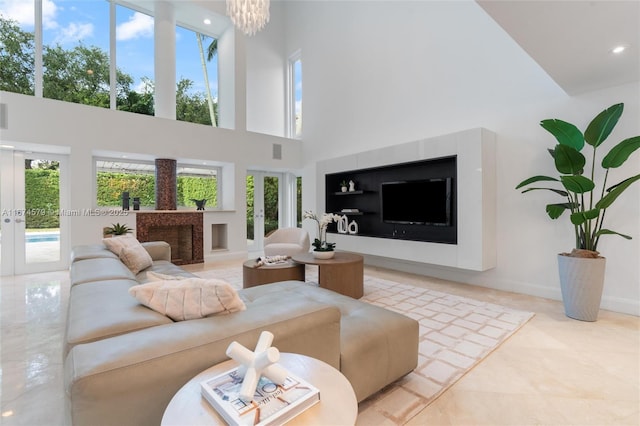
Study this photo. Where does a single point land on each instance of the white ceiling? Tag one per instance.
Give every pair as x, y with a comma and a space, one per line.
572, 40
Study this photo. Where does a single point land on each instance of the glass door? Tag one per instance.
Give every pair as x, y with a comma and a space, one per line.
264, 195
32, 210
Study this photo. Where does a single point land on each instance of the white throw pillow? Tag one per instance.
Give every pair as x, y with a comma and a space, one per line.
116, 244
189, 298
135, 257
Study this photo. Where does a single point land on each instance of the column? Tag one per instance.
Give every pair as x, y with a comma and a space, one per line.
165, 60
166, 184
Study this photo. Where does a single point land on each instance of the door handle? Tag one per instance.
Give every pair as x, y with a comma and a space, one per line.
19, 220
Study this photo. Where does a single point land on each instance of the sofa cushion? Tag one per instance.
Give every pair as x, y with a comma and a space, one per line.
165, 268
99, 269
372, 338
135, 257
157, 276
90, 252
189, 298
103, 309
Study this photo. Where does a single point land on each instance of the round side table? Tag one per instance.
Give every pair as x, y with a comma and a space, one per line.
337, 406
343, 273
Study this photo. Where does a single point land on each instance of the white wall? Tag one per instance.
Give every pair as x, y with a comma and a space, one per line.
378, 74
266, 76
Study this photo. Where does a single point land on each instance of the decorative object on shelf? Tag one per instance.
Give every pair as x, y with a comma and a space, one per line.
352, 186
353, 227
320, 243
343, 224
125, 200
259, 391
582, 271
116, 229
343, 186
249, 16
199, 203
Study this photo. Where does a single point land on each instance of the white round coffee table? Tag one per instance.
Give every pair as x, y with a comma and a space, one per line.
337, 406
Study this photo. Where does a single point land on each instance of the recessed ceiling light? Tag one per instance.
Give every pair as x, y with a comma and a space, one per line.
207, 21
618, 49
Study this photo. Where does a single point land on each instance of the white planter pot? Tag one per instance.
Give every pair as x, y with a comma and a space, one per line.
581, 282
323, 254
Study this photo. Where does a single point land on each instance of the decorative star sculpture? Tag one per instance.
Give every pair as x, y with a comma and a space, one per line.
260, 362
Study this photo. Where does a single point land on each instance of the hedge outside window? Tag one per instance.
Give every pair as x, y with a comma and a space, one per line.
113, 177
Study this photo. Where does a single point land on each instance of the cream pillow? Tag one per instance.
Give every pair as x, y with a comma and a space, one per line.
116, 244
135, 257
189, 298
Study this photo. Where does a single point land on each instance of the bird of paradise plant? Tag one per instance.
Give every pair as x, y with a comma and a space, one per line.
586, 201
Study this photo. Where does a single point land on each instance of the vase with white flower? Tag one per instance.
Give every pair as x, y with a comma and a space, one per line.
321, 248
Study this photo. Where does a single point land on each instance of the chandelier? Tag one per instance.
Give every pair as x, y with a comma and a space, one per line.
249, 16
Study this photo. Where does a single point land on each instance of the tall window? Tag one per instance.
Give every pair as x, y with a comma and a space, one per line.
75, 37
17, 48
134, 56
295, 96
197, 75
77, 53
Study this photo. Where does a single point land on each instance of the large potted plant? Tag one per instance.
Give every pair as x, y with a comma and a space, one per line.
582, 270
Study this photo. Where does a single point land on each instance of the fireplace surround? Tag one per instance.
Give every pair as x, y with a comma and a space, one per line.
182, 230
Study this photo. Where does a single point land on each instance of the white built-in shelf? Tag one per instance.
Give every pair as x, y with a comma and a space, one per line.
474, 150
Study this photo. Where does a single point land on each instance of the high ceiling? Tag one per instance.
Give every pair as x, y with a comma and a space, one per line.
572, 40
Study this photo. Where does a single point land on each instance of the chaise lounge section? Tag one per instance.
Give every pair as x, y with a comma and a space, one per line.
124, 361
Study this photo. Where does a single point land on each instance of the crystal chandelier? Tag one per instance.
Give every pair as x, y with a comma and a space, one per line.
249, 16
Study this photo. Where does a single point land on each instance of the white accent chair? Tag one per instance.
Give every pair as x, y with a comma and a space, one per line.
287, 241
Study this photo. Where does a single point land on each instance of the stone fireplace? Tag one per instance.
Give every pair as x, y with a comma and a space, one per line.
182, 230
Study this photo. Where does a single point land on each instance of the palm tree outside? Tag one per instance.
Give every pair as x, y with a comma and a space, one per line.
212, 50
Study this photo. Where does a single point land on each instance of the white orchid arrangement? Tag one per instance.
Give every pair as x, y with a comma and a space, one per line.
320, 243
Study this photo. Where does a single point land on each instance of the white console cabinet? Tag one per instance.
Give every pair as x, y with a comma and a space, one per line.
476, 200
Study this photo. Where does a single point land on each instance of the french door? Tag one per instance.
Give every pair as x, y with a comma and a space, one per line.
264, 206
33, 202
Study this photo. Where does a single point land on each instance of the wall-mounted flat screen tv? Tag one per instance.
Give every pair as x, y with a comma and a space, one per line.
417, 202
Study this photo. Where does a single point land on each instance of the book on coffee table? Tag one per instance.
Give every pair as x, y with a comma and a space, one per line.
271, 404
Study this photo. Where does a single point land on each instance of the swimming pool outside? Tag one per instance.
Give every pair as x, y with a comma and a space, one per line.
39, 237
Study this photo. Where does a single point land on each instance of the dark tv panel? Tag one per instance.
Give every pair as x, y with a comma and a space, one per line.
417, 202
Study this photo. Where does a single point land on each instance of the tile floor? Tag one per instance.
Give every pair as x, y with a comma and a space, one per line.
555, 370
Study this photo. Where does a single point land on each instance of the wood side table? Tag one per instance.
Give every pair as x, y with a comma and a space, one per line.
252, 276
337, 406
343, 273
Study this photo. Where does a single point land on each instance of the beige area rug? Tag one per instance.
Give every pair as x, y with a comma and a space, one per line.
456, 333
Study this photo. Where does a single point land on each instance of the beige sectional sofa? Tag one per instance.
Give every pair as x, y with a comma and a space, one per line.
124, 361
